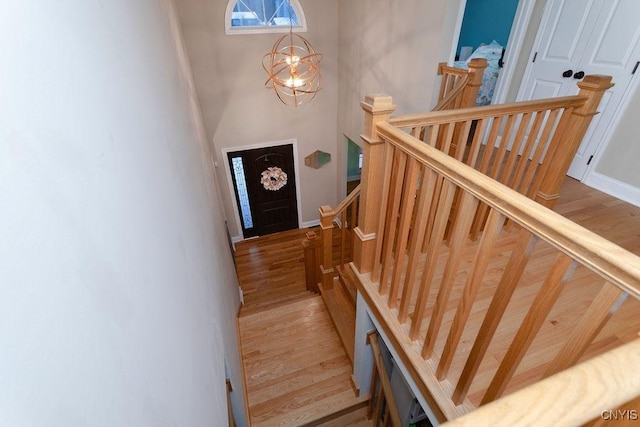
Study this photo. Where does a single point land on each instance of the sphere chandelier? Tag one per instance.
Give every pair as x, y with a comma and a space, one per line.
293, 69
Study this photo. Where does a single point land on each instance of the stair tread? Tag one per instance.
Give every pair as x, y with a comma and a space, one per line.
275, 302
297, 414
343, 314
354, 418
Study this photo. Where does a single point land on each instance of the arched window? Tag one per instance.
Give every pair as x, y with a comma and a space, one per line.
264, 16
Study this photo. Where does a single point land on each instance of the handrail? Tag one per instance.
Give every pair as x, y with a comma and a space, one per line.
607, 378
452, 94
385, 392
344, 204
620, 267
475, 113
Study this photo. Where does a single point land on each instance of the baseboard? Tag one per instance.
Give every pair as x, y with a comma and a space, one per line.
312, 223
614, 187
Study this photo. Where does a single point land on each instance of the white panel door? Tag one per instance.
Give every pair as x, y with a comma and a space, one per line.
562, 41
612, 50
585, 37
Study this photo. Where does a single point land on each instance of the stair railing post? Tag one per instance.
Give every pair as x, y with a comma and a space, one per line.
326, 264
377, 108
593, 88
471, 89
311, 246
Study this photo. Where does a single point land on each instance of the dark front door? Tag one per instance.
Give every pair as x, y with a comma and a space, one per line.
265, 189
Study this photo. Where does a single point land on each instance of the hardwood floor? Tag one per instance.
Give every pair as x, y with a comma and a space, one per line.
296, 369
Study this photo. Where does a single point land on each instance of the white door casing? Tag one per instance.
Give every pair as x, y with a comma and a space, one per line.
593, 37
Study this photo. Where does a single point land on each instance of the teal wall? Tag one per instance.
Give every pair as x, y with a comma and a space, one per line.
353, 151
485, 21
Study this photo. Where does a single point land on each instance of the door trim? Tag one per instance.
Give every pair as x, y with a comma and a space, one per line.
514, 45
227, 171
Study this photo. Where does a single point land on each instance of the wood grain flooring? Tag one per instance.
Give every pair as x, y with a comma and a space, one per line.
296, 370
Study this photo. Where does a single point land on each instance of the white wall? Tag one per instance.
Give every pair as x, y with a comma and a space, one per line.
117, 291
390, 47
238, 110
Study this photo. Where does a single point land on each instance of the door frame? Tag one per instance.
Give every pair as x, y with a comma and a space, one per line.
512, 54
595, 180
232, 193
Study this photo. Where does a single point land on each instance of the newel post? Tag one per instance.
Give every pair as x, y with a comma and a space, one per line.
471, 89
377, 108
326, 262
592, 88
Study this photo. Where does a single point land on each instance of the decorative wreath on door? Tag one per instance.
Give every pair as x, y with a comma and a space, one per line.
273, 178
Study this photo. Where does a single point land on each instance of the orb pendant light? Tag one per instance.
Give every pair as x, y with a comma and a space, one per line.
293, 69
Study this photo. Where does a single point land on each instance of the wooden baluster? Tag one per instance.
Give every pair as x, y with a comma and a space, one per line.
377, 109
326, 266
501, 297
425, 199
528, 185
606, 303
353, 223
390, 229
501, 150
437, 235
343, 235
476, 143
506, 173
523, 159
539, 310
460, 232
593, 88
408, 200
384, 201
494, 172
478, 267
489, 149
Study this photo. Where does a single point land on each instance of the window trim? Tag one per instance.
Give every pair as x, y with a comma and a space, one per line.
300, 28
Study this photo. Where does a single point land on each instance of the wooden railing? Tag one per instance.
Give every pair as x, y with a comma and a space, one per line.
466, 308
382, 405
459, 88
337, 250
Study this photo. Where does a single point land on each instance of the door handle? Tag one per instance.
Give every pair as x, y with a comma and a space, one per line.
578, 75
567, 73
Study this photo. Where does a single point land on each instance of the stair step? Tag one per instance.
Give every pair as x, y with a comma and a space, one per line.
351, 416
266, 303
343, 314
349, 281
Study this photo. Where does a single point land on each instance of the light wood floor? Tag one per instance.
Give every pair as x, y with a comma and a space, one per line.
295, 367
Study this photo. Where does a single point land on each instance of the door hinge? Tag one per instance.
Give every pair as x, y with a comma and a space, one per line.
589, 161
535, 55
635, 68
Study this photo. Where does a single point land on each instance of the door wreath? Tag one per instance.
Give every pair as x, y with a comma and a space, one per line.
273, 178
